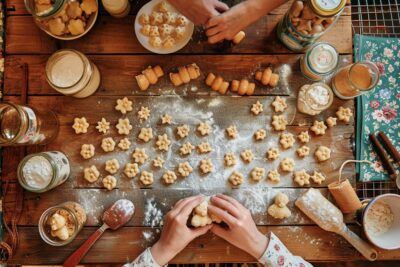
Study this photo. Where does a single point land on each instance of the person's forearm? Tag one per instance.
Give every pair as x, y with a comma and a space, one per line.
258, 8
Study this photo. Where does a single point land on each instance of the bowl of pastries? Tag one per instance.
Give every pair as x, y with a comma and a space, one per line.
161, 29
71, 20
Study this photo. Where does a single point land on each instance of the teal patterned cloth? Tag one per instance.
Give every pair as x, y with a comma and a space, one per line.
378, 110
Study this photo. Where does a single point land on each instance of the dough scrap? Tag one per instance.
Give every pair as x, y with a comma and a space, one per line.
124, 126
317, 177
131, 170
279, 122
272, 153
204, 148
112, 166
103, 126
108, 144
203, 128
91, 174
163, 142
169, 177
109, 182
257, 108
301, 178
257, 174
146, 178
303, 151
318, 128
304, 137
80, 125
331, 121
158, 162
274, 176
186, 149
279, 104
143, 113
206, 166
287, 165
322, 153
229, 159
344, 114
183, 131
236, 178
124, 105
279, 209
247, 156
139, 155
124, 144
184, 169
286, 140
231, 131
166, 119
87, 151
146, 134
260, 134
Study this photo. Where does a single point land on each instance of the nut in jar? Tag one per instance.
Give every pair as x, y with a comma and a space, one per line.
60, 224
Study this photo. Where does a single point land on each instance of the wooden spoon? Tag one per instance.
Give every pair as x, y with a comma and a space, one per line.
330, 218
113, 218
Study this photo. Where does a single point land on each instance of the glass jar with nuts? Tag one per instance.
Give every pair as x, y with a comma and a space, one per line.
308, 20
60, 224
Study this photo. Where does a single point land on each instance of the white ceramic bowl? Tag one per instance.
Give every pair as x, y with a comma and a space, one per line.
390, 239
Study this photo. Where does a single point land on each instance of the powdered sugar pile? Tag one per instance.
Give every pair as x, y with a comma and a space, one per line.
152, 214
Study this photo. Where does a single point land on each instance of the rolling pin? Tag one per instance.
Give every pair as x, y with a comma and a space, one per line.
383, 156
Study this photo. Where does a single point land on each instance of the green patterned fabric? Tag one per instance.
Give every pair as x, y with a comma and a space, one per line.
378, 110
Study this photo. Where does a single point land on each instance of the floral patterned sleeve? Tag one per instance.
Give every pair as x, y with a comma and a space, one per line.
277, 255
144, 260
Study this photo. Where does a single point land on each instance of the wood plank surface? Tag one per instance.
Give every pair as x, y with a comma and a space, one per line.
118, 73
311, 242
116, 36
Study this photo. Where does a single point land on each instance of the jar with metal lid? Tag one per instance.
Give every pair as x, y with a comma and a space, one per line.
314, 98
71, 73
308, 20
23, 125
319, 61
64, 19
43, 171
117, 8
59, 225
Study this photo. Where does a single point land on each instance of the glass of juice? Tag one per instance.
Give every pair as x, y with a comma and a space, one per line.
355, 79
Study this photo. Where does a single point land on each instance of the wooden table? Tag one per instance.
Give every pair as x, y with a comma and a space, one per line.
114, 48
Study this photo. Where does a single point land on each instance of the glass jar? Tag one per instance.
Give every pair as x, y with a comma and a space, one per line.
71, 73
355, 79
308, 20
59, 225
117, 8
43, 171
314, 98
63, 19
23, 125
319, 61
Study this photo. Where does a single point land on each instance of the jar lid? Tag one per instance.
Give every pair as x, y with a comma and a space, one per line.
49, 12
327, 8
323, 58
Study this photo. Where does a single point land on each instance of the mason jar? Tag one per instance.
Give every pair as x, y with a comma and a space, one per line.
314, 98
320, 60
307, 20
59, 225
71, 73
23, 125
117, 8
63, 19
43, 171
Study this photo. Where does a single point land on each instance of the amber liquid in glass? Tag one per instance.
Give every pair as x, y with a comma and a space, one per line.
349, 81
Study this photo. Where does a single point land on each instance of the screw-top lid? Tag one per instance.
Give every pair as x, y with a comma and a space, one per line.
327, 8
322, 58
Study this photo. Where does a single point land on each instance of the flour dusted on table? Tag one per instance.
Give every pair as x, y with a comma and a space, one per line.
153, 215
379, 218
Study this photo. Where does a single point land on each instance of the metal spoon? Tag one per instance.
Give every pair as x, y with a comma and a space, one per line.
113, 218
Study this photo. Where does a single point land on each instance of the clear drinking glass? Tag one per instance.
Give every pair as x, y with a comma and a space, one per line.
355, 79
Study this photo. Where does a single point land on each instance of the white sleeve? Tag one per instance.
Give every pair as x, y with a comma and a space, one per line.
143, 260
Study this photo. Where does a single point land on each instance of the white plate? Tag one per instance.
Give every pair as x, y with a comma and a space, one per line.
144, 40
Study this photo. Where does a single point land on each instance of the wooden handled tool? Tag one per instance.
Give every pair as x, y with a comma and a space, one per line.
383, 156
390, 147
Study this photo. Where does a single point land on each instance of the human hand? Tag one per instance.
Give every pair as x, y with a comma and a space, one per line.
176, 235
242, 232
199, 11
